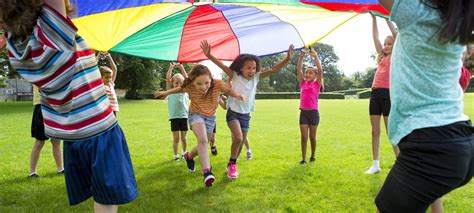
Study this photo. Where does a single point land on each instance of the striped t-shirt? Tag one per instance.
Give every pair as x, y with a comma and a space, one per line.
110, 90
204, 105
58, 61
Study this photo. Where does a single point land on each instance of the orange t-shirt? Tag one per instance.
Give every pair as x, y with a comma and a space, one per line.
204, 105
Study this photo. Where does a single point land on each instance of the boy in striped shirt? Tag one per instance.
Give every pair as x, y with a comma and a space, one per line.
43, 47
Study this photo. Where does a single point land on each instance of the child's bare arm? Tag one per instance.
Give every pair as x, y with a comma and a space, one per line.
183, 71
206, 49
299, 66
158, 93
375, 35
59, 5
225, 88
113, 67
168, 75
276, 68
392, 28
319, 75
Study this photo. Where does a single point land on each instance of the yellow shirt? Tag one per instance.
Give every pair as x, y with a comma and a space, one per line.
36, 95
204, 105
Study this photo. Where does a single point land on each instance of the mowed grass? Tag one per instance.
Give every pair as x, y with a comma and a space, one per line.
273, 180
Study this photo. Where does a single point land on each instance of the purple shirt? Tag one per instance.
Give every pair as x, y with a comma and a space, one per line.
309, 94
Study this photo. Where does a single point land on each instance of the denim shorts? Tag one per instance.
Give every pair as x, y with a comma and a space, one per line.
199, 118
243, 119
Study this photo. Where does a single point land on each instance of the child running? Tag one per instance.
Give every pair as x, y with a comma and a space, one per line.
203, 91
245, 74
426, 119
178, 105
380, 96
37, 132
310, 85
74, 104
109, 74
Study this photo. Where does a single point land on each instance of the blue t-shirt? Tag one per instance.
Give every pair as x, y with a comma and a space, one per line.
178, 105
424, 77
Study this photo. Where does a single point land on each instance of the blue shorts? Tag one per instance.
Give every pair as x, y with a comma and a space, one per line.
100, 167
210, 122
243, 119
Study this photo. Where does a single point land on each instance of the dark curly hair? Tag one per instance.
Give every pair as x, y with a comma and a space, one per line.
19, 16
457, 20
239, 62
197, 71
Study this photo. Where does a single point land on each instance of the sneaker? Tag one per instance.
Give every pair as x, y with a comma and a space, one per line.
61, 172
209, 178
312, 159
176, 158
249, 155
302, 163
373, 170
214, 150
232, 171
189, 162
33, 175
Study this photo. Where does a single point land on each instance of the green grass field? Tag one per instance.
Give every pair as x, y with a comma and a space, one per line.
273, 180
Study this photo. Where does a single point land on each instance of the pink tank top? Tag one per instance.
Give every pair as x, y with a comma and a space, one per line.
309, 94
382, 75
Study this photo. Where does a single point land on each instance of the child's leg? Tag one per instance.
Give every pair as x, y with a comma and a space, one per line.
304, 140
35, 154
56, 144
175, 142
184, 140
396, 151
199, 129
212, 139
104, 208
375, 124
237, 138
437, 206
312, 138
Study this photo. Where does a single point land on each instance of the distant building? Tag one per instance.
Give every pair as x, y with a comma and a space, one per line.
17, 90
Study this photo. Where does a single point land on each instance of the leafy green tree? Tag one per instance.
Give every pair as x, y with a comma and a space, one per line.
137, 75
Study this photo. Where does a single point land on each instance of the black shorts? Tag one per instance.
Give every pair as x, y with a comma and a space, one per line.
37, 124
179, 124
379, 102
432, 162
310, 117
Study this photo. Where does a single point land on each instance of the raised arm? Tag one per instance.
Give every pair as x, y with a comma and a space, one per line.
206, 49
183, 71
299, 66
59, 5
319, 75
113, 67
168, 75
375, 35
392, 28
387, 4
276, 68
158, 93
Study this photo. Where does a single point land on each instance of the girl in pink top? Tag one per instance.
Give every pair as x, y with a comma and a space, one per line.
310, 85
380, 96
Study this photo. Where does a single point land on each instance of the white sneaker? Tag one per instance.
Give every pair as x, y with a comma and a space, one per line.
373, 170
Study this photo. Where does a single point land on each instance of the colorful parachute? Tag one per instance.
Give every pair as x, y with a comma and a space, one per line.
359, 6
172, 30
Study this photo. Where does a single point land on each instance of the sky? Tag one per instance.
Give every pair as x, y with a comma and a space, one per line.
352, 42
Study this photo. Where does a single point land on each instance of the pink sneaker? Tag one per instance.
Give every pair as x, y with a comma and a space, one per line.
232, 171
